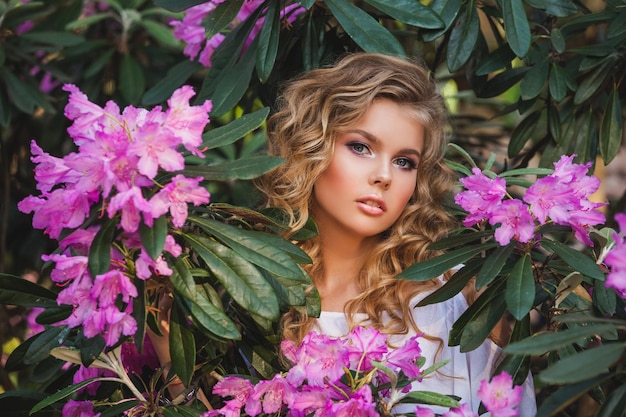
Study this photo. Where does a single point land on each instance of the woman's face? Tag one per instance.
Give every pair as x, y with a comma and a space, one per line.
372, 174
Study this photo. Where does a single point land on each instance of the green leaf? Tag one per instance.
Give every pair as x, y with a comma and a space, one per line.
522, 133
461, 239
558, 8
541, 343
581, 263
161, 33
432, 268
364, 29
557, 40
520, 288
566, 395
242, 280
493, 265
131, 79
86, 21
615, 403
612, 127
557, 82
5, 108
182, 346
153, 237
502, 82
447, 10
267, 49
178, 5
54, 314
65, 392
54, 38
235, 130
234, 82
453, 286
535, 79
242, 169
118, 409
410, 12
307, 4
19, 291
583, 365
463, 38
526, 171
49, 339
592, 82
256, 247
432, 398
516, 26
182, 280
222, 16
212, 318
25, 96
605, 299
100, 252
175, 77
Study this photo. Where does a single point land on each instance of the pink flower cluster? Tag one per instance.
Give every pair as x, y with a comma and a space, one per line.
616, 259
191, 30
561, 197
114, 172
343, 377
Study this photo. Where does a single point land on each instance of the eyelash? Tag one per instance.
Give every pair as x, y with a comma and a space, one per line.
410, 164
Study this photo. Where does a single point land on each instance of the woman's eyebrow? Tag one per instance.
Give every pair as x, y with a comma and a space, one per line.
374, 139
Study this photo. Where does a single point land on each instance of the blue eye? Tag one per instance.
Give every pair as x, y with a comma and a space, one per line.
359, 148
405, 163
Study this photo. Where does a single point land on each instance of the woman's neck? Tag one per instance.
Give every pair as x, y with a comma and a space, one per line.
343, 260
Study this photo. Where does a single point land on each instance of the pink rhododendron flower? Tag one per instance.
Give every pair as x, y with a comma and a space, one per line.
424, 412
463, 411
79, 409
616, 259
404, 358
270, 396
359, 404
175, 196
366, 345
483, 194
515, 222
500, 397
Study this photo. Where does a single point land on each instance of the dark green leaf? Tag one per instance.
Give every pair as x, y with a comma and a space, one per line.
268, 42
241, 279
153, 237
66, 392
99, 63
615, 403
525, 171
118, 409
557, 82
182, 346
583, 365
592, 82
140, 314
463, 38
432, 268
222, 16
558, 41
242, 169
410, 12
493, 265
52, 315
605, 299
212, 318
447, 10
517, 366
256, 247
5, 109
541, 343
235, 130
454, 285
86, 21
100, 250
558, 8
520, 288
307, 4
516, 26
522, 133
565, 396
460, 239
612, 127
25, 96
161, 33
131, 79
234, 83
182, 279
535, 79
499, 59
364, 29
501, 82
19, 291
175, 77
53, 38
581, 263
554, 123
16, 360
178, 5
49, 339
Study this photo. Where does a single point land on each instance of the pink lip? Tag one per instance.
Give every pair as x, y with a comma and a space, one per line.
365, 204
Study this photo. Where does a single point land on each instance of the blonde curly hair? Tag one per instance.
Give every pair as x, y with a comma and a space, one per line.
312, 110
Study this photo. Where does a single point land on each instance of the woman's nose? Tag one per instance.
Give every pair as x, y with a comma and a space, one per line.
381, 177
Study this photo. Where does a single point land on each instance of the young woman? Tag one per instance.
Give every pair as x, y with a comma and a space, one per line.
363, 144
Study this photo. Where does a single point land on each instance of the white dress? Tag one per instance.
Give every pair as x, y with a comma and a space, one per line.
461, 376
